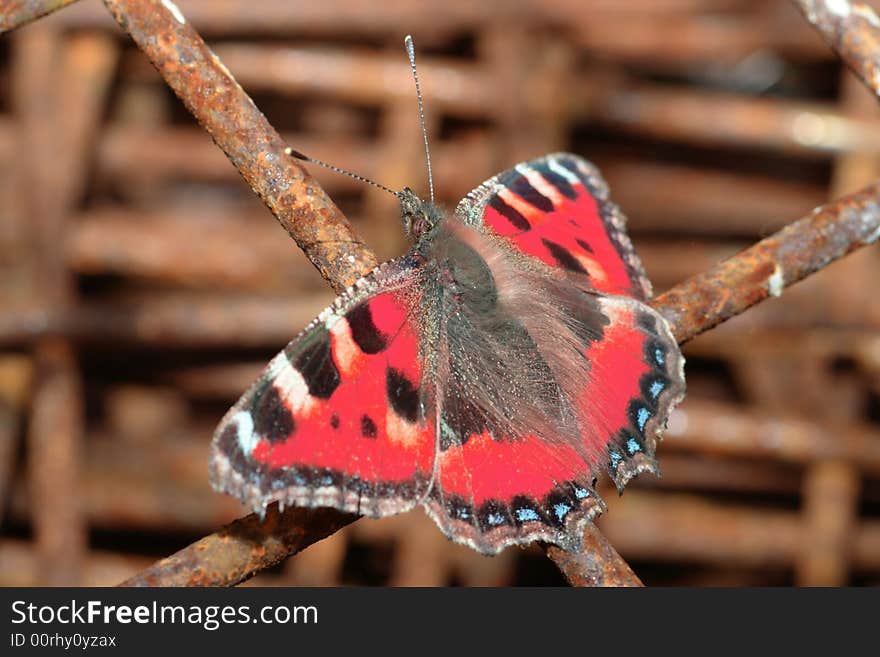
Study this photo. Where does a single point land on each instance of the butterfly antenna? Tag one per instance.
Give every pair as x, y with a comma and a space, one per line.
411, 51
306, 158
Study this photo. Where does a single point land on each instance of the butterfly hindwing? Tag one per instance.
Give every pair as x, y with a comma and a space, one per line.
637, 377
557, 209
338, 417
492, 493
493, 489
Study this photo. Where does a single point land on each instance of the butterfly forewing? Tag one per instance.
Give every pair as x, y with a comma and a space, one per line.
556, 208
338, 417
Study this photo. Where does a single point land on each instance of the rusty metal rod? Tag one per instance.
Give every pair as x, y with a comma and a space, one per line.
852, 30
237, 126
725, 430
597, 564
243, 548
765, 269
757, 273
15, 13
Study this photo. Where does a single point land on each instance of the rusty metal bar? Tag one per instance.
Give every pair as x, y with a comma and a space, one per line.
221, 106
716, 118
853, 32
243, 548
658, 38
830, 507
765, 269
55, 456
676, 527
15, 13
55, 430
16, 374
598, 564
723, 429
361, 75
666, 198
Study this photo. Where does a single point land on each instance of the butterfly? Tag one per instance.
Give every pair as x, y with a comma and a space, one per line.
489, 374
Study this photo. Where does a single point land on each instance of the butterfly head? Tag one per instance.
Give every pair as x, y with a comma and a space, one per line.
419, 216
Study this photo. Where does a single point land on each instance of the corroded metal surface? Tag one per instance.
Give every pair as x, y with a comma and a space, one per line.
598, 564
212, 95
765, 269
852, 29
243, 548
15, 13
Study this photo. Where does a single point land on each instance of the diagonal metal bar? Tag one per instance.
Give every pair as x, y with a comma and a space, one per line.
221, 106
765, 269
852, 30
15, 13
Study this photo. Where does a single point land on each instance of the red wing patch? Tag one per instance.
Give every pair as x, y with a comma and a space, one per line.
557, 209
494, 492
338, 417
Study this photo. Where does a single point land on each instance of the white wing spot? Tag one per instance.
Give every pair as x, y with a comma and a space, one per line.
292, 386
244, 425
345, 352
538, 182
399, 431
562, 171
839, 7
594, 269
867, 13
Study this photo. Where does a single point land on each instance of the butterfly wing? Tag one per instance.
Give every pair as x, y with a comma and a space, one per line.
338, 417
491, 491
557, 209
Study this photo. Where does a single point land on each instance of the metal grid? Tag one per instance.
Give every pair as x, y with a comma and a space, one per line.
143, 287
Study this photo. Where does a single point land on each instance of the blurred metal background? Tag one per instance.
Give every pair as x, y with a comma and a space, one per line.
715, 123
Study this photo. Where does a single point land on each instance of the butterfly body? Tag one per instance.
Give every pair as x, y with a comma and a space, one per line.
489, 374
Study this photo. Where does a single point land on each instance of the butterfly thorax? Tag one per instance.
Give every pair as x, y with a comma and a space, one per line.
491, 374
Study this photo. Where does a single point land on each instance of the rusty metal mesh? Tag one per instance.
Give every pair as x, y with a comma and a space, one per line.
144, 286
